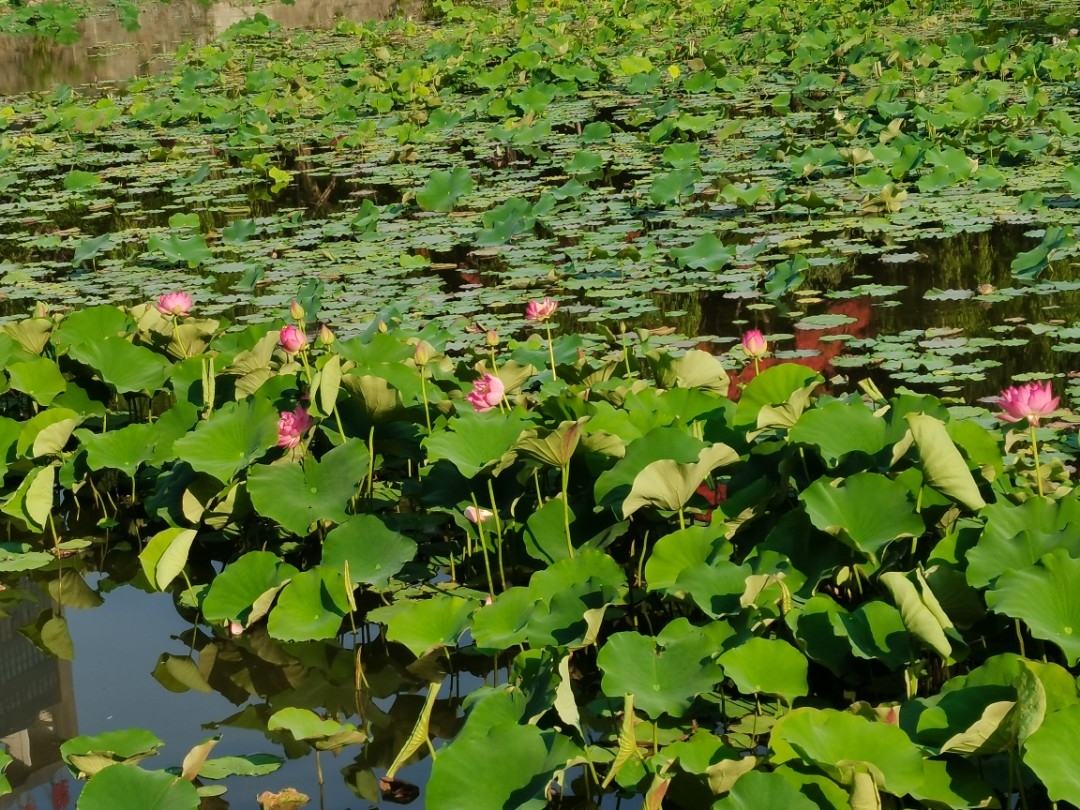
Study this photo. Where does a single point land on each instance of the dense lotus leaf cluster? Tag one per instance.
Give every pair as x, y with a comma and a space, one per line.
694, 581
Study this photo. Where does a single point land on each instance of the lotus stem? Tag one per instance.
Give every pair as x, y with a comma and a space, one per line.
307, 368
1035, 455
566, 507
371, 464
682, 518
551, 352
757, 366
423, 396
498, 533
483, 548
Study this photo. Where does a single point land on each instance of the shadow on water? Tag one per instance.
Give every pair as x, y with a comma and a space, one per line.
107, 52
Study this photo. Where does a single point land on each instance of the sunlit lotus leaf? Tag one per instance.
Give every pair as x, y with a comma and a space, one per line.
922, 613
1046, 597
243, 765
33, 501
325, 734
91, 325
373, 550
475, 442
545, 532
865, 510
311, 607
237, 434
759, 789
179, 673
1051, 752
299, 495
165, 555
777, 396
78, 180
40, 378
426, 624
1017, 535
191, 250
152, 790
242, 583
5, 760
942, 464
768, 665
552, 447
695, 369
32, 334
664, 674
124, 449
86, 755
124, 366
876, 632
91, 247
708, 253
15, 557
443, 189
663, 443
667, 484
518, 764
953, 782
839, 428
838, 743
10, 430
47, 433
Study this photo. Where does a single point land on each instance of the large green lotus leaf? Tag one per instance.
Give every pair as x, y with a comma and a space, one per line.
696, 369
373, 550
443, 188
39, 378
124, 449
189, 249
427, 624
587, 566
15, 557
126, 367
668, 484
297, 496
1052, 753
90, 754
517, 766
236, 435
91, 325
681, 550
777, 396
324, 733
167, 428
663, 679
921, 612
10, 430
165, 556
821, 790
311, 607
246, 765
757, 790
5, 760
839, 428
953, 782
242, 583
839, 742
552, 447
505, 622
866, 510
32, 502
675, 444
47, 433
1017, 536
130, 786
716, 588
475, 442
768, 665
817, 628
876, 632
545, 532
942, 464
1046, 597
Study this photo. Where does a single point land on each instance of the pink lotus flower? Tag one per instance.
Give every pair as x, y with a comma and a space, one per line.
474, 515
487, 393
1030, 401
754, 344
175, 303
540, 310
292, 339
291, 426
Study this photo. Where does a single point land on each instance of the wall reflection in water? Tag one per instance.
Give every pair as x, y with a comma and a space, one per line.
37, 713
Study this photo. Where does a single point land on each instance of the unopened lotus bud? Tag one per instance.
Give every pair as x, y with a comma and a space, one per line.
382, 327
492, 338
423, 353
326, 337
41, 310
296, 312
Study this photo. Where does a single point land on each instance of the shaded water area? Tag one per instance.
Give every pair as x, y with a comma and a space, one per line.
107, 52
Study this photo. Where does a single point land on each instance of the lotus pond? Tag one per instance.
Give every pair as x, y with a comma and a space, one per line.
550, 405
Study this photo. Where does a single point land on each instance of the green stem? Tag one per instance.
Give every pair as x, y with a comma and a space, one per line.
337, 418
551, 353
1035, 454
498, 533
483, 548
566, 507
307, 368
682, 518
423, 395
371, 463
757, 367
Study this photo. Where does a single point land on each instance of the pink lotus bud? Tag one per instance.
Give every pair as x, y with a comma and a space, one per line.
1030, 401
292, 339
296, 312
174, 303
487, 393
492, 338
754, 344
540, 310
291, 427
235, 628
481, 515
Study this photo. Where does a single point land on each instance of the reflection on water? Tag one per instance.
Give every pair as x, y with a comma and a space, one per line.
37, 713
107, 52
